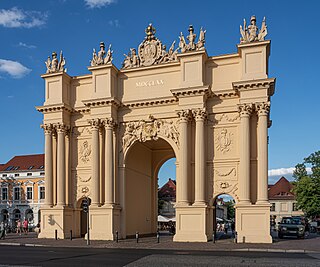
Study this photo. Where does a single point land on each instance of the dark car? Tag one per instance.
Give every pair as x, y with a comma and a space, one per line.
291, 226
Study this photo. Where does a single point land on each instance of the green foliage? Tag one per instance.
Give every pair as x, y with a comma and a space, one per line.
230, 210
160, 204
307, 186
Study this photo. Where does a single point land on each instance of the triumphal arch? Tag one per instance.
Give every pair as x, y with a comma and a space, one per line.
107, 134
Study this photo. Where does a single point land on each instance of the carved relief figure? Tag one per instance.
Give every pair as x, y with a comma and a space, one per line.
85, 152
224, 141
182, 43
252, 33
54, 65
201, 41
192, 45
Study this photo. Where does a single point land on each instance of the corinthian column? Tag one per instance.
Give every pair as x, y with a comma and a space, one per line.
109, 162
200, 178
95, 125
244, 177
48, 164
61, 165
184, 158
263, 111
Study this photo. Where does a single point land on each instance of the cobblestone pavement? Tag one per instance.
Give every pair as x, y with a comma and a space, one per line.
309, 244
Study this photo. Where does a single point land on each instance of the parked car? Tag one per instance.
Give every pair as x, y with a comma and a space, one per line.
291, 226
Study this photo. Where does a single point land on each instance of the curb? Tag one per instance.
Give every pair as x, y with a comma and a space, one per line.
22, 245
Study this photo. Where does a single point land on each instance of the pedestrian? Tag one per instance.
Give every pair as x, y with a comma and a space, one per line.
18, 230
25, 226
226, 227
233, 226
2, 230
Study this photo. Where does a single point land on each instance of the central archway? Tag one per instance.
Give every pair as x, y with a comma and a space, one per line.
143, 162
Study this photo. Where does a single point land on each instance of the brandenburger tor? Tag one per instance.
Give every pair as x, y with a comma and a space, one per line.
108, 133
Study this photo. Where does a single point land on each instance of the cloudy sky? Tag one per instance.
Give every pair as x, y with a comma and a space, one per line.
32, 30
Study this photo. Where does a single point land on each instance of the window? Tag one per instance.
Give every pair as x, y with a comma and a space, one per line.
16, 168
41, 167
294, 206
4, 193
273, 207
29, 193
30, 167
41, 173
9, 168
16, 175
29, 174
17, 193
4, 175
42, 192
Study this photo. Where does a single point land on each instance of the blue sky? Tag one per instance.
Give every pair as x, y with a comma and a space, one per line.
31, 30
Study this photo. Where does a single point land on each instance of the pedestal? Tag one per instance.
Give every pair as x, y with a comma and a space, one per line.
253, 223
192, 224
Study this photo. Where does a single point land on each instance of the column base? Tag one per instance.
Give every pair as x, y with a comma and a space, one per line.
253, 223
192, 224
58, 219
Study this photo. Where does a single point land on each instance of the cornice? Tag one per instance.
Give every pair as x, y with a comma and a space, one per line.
192, 91
256, 84
111, 101
150, 102
60, 73
225, 93
54, 108
142, 68
105, 66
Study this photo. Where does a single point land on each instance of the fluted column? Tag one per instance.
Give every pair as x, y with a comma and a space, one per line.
263, 111
95, 124
200, 161
48, 164
61, 164
184, 157
244, 177
109, 162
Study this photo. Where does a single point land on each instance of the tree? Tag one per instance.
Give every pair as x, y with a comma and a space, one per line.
307, 186
230, 209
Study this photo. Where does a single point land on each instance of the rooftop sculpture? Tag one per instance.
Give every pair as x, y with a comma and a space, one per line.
54, 65
102, 57
251, 33
192, 45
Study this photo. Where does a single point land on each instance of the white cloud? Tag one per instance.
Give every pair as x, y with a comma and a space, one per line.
26, 45
283, 171
114, 23
13, 68
18, 18
98, 3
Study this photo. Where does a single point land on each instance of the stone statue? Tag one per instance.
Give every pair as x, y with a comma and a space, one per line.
192, 45
191, 37
127, 61
182, 43
202, 40
251, 33
135, 62
101, 58
54, 65
172, 54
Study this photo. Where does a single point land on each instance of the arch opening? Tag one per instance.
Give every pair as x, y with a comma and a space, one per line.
143, 163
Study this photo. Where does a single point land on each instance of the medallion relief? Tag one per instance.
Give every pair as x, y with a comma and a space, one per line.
223, 187
145, 130
224, 141
85, 152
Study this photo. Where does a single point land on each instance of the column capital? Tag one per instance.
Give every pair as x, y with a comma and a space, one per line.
199, 114
263, 108
109, 123
184, 115
48, 128
245, 110
95, 123
62, 128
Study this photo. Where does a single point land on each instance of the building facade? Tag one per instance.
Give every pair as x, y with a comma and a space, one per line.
22, 189
283, 201
108, 133
167, 199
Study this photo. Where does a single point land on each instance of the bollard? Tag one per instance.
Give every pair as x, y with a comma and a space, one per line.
56, 234
137, 237
213, 238
117, 236
71, 235
235, 237
158, 237
243, 239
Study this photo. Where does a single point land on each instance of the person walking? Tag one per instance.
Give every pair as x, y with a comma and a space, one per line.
2, 230
18, 230
25, 226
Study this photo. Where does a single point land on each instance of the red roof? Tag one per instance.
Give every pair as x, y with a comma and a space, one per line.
281, 190
168, 190
25, 162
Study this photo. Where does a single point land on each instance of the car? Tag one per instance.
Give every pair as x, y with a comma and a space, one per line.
291, 226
